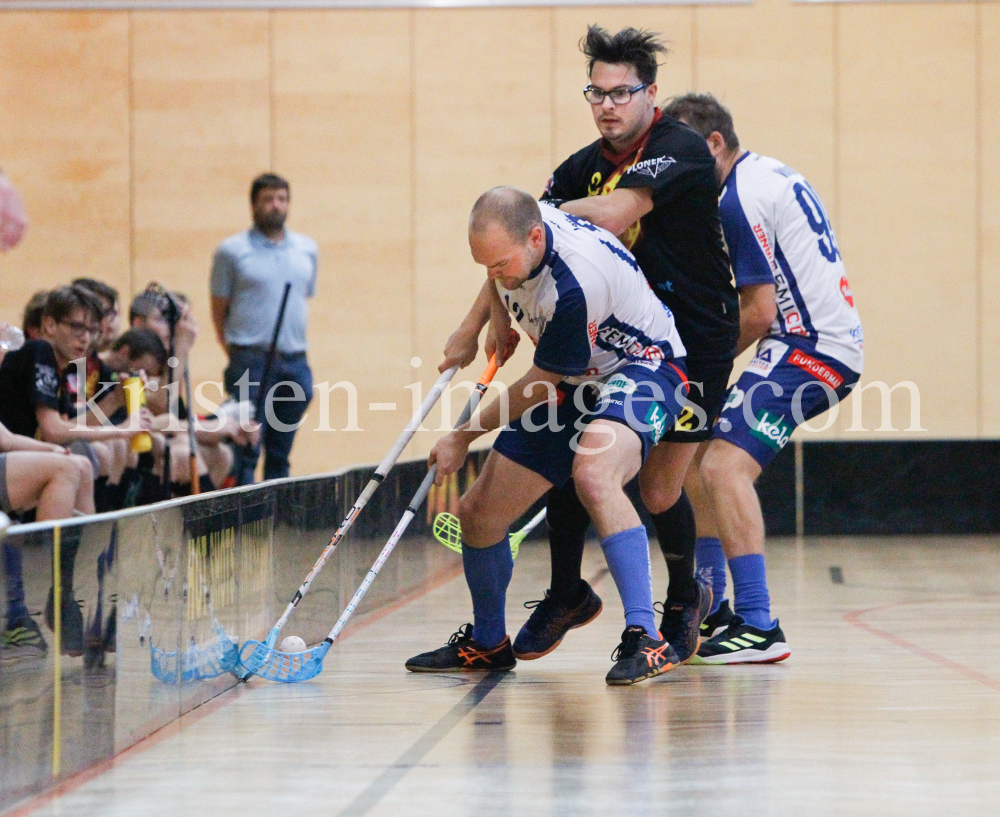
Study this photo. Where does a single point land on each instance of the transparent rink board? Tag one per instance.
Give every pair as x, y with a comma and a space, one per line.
889, 704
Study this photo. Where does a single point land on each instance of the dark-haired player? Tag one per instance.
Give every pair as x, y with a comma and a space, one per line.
650, 180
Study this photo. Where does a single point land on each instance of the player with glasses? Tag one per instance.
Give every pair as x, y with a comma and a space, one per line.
619, 96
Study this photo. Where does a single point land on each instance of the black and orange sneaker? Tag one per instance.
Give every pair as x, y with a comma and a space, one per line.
639, 657
463, 653
550, 621
681, 624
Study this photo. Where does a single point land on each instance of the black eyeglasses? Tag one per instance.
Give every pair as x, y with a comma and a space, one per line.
620, 96
79, 329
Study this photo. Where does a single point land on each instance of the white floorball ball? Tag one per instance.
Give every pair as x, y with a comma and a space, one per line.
292, 643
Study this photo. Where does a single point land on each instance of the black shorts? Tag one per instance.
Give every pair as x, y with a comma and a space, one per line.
709, 381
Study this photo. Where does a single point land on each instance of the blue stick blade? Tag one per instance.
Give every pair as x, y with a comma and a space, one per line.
283, 667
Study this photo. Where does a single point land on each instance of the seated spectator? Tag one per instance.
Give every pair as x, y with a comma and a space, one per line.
40, 392
214, 455
31, 323
110, 322
47, 478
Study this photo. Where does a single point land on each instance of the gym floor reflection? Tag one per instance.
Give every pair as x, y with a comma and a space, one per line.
890, 704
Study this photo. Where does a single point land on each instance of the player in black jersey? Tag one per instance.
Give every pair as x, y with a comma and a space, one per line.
650, 180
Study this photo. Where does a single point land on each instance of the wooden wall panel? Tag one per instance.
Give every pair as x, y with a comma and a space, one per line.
64, 144
989, 181
907, 225
201, 132
772, 64
482, 112
342, 138
572, 121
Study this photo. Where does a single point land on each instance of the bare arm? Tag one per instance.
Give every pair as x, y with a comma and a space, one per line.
450, 451
758, 308
220, 311
615, 212
9, 441
56, 429
463, 345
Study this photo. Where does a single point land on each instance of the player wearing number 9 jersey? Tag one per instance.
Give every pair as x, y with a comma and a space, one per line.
797, 306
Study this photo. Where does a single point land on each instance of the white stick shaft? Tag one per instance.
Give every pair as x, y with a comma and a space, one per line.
534, 521
366, 494
415, 503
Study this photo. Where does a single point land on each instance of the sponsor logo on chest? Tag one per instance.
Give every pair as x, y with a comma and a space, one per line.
652, 167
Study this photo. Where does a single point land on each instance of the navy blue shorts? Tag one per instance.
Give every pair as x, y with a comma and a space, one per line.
644, 399
781, 388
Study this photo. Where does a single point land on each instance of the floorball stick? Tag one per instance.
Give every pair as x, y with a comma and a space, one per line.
448, 531
293, 667
255, 658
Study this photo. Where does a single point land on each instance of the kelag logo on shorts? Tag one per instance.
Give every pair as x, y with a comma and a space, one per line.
657, 418
772, 431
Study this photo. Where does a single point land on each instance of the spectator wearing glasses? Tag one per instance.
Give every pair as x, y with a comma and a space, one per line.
650, 180
40, 393
31, 322
249, 273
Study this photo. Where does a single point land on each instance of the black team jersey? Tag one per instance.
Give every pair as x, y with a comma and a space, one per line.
679, 243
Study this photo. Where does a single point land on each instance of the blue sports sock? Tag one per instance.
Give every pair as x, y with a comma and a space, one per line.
627, 554
488, 572
15, 584
711, 561
750, 597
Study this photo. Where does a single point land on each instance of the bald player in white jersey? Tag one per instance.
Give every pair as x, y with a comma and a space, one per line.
606, 382
796, 304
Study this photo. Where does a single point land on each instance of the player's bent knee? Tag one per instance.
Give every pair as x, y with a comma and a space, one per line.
592, 480
474, 519
723, 464
658, 495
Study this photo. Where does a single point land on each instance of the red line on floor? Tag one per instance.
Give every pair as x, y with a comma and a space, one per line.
854, 618
175, 727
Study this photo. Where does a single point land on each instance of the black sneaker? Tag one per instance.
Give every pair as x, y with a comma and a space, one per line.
639, 657
71, 635
551, 620
22, 639
463, 654
681, 624
717, 621
740, 643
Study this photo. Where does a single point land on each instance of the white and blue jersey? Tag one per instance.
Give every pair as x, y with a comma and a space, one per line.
587, 307
778, 232
593, 318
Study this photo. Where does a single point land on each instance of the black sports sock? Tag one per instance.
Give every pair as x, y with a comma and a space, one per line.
676, 531
568, 521
205, 484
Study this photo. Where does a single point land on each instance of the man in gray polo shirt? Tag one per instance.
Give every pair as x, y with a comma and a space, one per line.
249, 273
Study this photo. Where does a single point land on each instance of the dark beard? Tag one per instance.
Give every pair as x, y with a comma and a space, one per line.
271, 222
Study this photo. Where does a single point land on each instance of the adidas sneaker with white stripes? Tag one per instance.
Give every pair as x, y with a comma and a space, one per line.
740, 643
